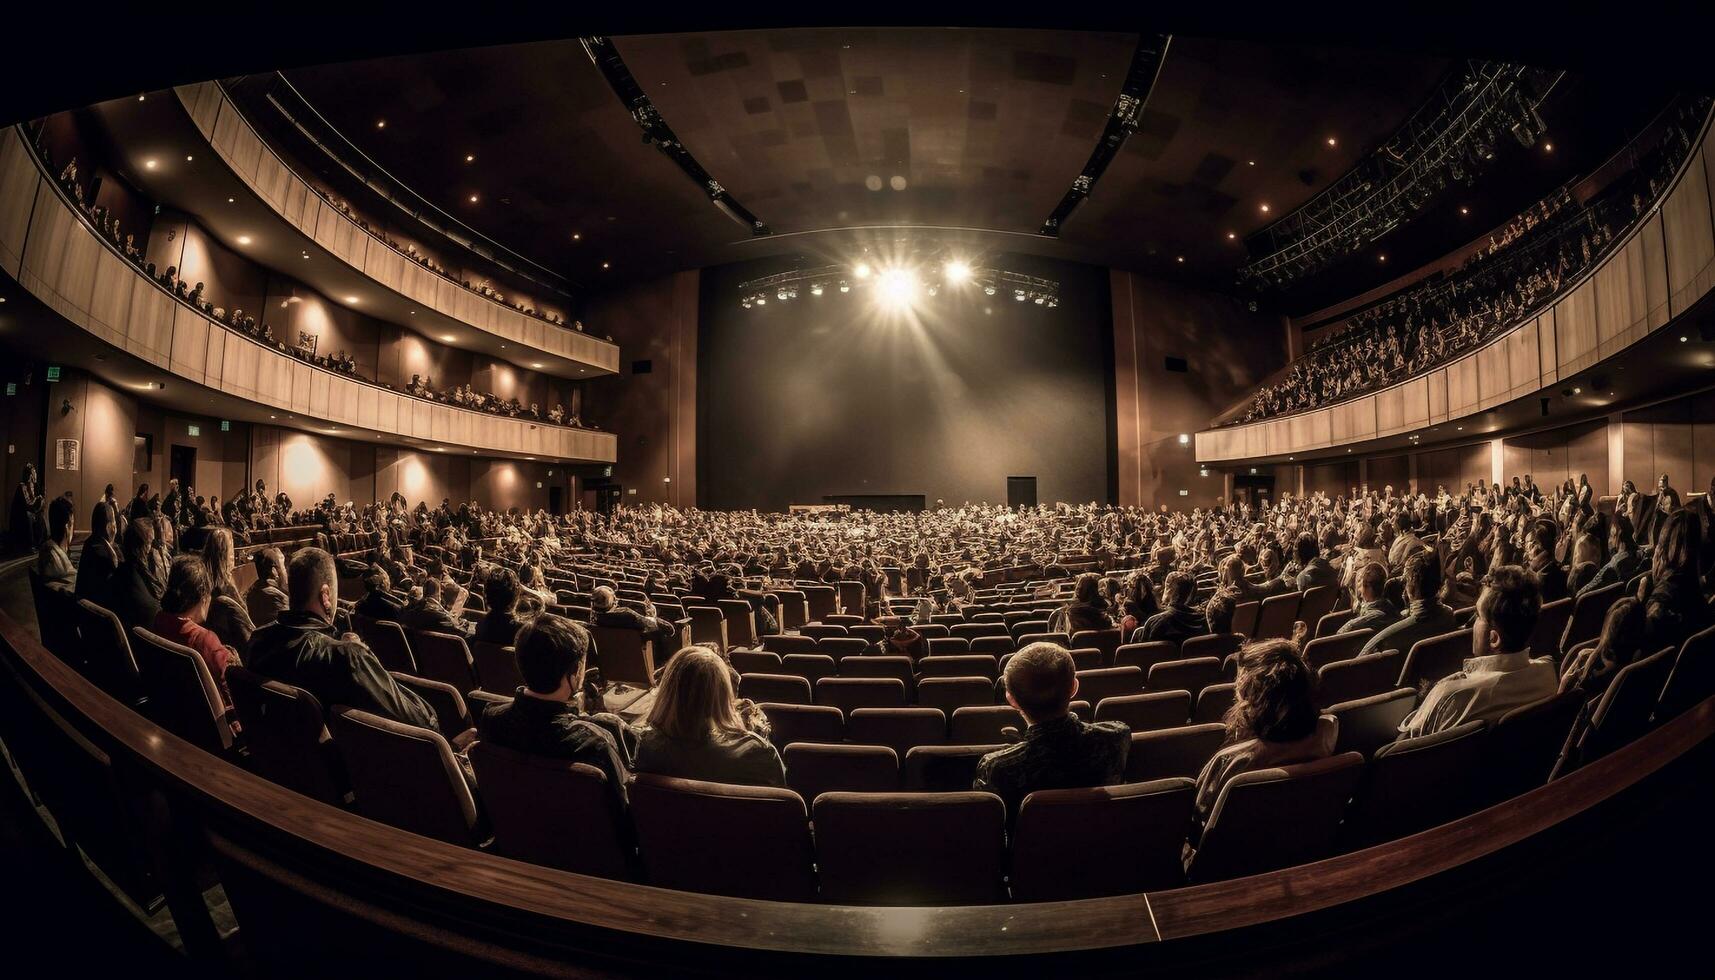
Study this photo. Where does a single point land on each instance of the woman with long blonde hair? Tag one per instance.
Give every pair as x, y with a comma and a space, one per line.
698, 729
227, 615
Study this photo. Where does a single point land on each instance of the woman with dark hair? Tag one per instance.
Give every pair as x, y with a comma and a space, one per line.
1138, 601
1273, 722
26, 524
227, 616
184, 609
500, 591
1672, 594
100, 555
1087, 610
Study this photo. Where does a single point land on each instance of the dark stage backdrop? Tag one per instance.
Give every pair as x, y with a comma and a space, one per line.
823, 395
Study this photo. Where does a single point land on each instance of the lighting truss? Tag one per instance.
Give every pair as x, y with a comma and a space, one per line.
837, 279
1449, 139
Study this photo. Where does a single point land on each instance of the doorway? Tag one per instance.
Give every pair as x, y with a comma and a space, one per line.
1253, 489
556, 500
182, 466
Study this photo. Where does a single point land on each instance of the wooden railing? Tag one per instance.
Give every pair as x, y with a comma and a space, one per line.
46, 244
292, 198
1662, 269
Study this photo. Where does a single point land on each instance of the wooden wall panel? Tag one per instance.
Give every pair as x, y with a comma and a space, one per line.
1523, 370
1575, 329
1463, 394
110, 298
19, 178
1690, 236
1390, 410
1494, 377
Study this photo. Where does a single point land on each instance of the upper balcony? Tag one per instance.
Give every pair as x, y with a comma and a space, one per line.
1657, 271
49, 246
194, 150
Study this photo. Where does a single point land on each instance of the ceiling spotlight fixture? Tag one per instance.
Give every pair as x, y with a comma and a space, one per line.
745, 302
1464, 210
781, 295
861, 270
957, 271
1382, 257
761, 300
536, 364
607, 265
577, 237
141, 98
1265, 209
189, 158
380, 124
1682, 339
1232, 235
1185, 438
148, 164
351, 299
449, 338
1331, 141
1179, 258
473, 199
1548, 147
896, 286
816, 289
845, 287
1018, 294
229, 200
1251, 162
243, 239
470, 158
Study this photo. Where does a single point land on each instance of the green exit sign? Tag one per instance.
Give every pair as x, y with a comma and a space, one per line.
53, 372
195, 430
225, 426
11, 388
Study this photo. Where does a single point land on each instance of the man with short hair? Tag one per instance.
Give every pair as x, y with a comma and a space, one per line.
1500, 676
1375, 611
432, 610
1539, 552
1426, 616
266, 598
1314, 567
1405, 541
1057, 751
1179, 621
302, 648
377, 601
53, 559
605, 610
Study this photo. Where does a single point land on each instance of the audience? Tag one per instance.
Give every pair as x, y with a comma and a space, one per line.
228, 616
1426, 616
1374, 610
132, 595
1180, 620
1088, 609
1501, 675
699, 730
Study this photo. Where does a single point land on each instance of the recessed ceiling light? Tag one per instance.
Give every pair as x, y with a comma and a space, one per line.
140, 98
1232, 235
1548, 147
449, 338
1382, 257
473, 199
607, 265
1578, 391
1251, 162
1464, 210
535, 364
380, 124
351, 299
189, 158
1331, 141
1265, 209
1682, 339
577, 237
229, 200
1179, 258
148, 164
470, 158
243, 239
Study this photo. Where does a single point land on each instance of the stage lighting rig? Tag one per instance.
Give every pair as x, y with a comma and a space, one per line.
914, 272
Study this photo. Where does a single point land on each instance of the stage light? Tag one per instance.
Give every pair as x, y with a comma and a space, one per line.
1548, 147
469, 158
861, 270
761, 301
1265, 209
816, 289
243, 239
957, 271
989, 290
1185, 438
1041, 299
1018, 294
896, 286
781, 295
845, 287
745, 302
148, 164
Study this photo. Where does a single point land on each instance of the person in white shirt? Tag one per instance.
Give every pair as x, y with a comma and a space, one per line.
1501, 675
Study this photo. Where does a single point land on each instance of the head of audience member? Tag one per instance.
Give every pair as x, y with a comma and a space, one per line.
1274, 696
1402, 522
1088, 591
1507, 611
61, 520
1366, 538
1621, 538
1372, 581
1040, 682
139, 538
1622, 636
375, 579
103, 526
500, 591
1218, 612
1677, 547
695, 700
1423, 577
218, 555
312, 583
1539, 540
603, 599
188, 592
1305, 548
551, 656
1178, 589
1270, 562
270, 565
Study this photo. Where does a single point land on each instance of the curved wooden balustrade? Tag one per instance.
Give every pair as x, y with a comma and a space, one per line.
47, 246
440, 893
297, 203
1663, 268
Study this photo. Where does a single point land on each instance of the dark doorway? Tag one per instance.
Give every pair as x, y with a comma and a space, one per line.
1021, 491
183, 466
556, 500
1253, 490
607, 498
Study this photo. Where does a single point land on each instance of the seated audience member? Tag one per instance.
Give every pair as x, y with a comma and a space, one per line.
1405, 542
543, 720
100, 558
1088, 609
184, 609
1500, 676
697, 730
605, 610
1364, 551
1314, 568
228, 616
501, 623
1591, 669
378, 601
1180, 620
1273, 720
1426, 616
131, 594
1057, 750
1274, 580
1218, 613
1623, 561
431, 608
53, 559
1375, 611
302, 648
1539, 556
266, 598
1674, 605
1232, 582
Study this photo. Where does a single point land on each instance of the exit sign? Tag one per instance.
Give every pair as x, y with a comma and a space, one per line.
195, 430
225, 426
11, 388
53, 372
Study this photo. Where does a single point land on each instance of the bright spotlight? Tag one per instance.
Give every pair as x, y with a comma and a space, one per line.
845, 287
958, 272
896, 286
988, 290
862, 270
816, 289
1018, 294
782, 294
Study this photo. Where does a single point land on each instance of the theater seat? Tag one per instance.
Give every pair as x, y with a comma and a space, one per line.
1359, 677
1104, 840
1692, 679
1524, 747
1274, 818
286, 733
755, 662
1096, 685
1433, 658
910, 848
1221, 645
744, 841
1623, 713
1413, 784
969, 665
1367, 724
405, 776
813, 769
534, 803
951, 693
1185, 675
1145, 655
1213, 702
790, 723
1182, 751
810, 666
107, 652
183, 696
848, 693
983, 725
897, 728
445, 658
943, 768
452, 714
1146, 712
387, 640
1325, 650
776, 688
496, 667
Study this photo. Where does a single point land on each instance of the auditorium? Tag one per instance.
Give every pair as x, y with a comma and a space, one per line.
777, 491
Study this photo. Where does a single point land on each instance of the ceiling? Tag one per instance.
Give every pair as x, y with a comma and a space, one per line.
986, 128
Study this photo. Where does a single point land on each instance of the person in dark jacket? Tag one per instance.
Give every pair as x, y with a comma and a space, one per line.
100, 558
1088, 609
1375, 611
1550, 574
434, 609
302, 648
1180, 620
378, 602
501, 623
1426, 616
131, 593
266, 598
1314, 567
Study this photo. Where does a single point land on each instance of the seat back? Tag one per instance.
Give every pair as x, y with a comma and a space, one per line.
1245, 616
897, 728
1107, 641
1185, 675
1181, 751
1213, 702
810, 666
1359, 677
1434, 658
1624, 711
183, 697
952, 693
1588, 612
1274, 818
533, 801
890, 666
850, 693
740, 622
967, 665
744, 841
1330, 624
1550, 627
405, 776
813, 769
1525, 744
708, 626
107, 651
948, 646
452, 713
994, 646
1146, 655
56, 618
1324, 650
286, 733
784, 643
1692, 679
840, 647
820, 601
972, 631
756, 662
625, 656
1318, 601
1101, 840
1058, 639
1413, 784
853, 599
910, 848
943, 768
387, 639
497, 668
1220, 645
790, 723
984, 725
819, 631
1146, 712
1367, 724
445, 658
775, 688
1276, 617
1108, 682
